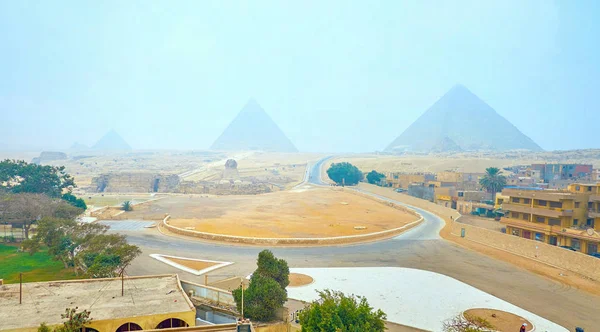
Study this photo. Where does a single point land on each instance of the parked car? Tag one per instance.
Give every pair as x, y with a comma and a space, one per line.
568, 247
400, 190
597, 255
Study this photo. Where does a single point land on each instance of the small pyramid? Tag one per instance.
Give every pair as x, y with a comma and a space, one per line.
253, 129
459, 120
112, 141
78, 147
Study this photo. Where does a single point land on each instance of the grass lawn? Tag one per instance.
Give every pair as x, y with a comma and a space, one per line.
37, 267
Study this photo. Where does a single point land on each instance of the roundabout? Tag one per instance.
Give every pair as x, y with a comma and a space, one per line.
419, 248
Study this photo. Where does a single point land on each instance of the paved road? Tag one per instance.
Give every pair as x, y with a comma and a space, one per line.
420, 247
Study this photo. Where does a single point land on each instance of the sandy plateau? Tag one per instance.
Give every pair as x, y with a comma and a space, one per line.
299, 213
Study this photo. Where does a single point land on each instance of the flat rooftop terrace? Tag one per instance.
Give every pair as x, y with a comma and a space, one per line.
44, 302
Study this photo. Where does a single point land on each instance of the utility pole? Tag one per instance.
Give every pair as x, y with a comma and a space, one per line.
242, 285
122, 283
20, 288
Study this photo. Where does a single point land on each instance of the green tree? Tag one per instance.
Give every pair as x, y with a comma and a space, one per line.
21, 177
266, 292
334, 311
76, 202
75, 321
127, 206
83, 246
344, 174
271, 267
18, 176
493, 181
374, 177
262, 298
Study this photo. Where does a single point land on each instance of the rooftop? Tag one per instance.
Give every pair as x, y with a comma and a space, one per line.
46, 301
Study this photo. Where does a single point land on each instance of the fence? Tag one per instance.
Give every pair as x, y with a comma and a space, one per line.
215, 295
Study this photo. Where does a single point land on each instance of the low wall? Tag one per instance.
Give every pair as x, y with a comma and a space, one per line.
566, 259
548, 254
216, 295
291, 241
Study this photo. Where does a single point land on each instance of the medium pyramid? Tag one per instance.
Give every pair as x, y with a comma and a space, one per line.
253, 129
461, 121
112, 141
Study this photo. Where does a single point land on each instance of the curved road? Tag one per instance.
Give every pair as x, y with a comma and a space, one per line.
420, 247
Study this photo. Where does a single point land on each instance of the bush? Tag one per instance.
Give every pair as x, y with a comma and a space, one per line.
375, 177
334, 311
344, 174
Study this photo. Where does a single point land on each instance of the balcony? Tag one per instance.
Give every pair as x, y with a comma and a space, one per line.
595, 198
593, 213
528, 225
546, 212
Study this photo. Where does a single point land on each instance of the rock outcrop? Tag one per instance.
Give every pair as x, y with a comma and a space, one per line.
47, 156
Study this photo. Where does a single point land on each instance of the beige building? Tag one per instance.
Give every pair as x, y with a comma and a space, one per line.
403, 180
131, 304
558, 217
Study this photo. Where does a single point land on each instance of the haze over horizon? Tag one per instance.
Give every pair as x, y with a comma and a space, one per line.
334, 76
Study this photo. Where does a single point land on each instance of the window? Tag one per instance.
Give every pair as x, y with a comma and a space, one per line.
540, 219
461, 194
590, 205
515, 199
540, 237
575, 222
526, 200
525, 216
542, 203
578, 188
577, 205
575, 244
589, 223
589, 188
592, 248
554, 222
516, 232
556, 205
500, 200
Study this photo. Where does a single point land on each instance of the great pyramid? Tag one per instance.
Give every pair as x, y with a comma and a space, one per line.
253, 129
112, 141
460, 121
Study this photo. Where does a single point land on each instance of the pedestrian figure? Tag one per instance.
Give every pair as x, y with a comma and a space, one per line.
523, 328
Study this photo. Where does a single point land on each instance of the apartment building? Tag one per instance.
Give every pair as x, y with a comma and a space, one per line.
563, 218
403, 180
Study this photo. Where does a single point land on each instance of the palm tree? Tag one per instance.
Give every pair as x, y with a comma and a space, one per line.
492, 181
127, 206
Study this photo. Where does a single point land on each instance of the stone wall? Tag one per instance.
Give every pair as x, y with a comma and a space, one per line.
573, 261
205, 187
135, 183
291, 241
579, 263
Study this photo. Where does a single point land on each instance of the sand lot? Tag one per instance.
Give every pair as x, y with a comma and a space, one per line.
303, 213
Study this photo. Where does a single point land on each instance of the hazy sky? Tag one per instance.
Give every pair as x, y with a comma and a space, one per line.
336, 76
